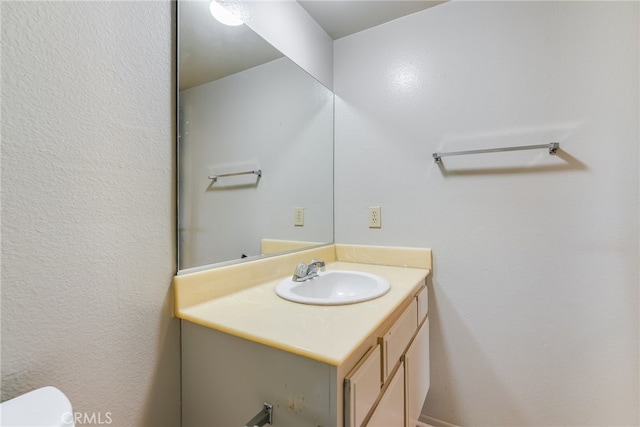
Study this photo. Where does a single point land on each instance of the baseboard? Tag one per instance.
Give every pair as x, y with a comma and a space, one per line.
427, 421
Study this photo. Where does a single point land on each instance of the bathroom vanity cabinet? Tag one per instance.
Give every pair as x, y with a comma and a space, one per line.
362, 364
388, 386
383, 381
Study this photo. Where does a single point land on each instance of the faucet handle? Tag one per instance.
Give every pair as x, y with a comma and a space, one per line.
320, 264
301, 271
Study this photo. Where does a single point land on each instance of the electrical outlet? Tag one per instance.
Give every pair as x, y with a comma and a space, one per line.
298, 217
375, 218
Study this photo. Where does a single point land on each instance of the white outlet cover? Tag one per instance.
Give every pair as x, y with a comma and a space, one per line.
375, 217
298, 217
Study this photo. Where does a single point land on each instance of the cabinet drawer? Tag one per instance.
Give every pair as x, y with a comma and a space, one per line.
423, 304
396, 340
362, 387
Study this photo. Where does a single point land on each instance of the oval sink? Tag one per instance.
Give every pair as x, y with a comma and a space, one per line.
334, 287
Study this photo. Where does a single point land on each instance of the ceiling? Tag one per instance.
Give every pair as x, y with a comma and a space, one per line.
210, 50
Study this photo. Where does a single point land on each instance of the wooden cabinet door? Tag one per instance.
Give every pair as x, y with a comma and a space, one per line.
391, 408
361, 388
417, 373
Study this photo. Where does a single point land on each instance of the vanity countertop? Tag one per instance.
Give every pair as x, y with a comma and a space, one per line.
325, 333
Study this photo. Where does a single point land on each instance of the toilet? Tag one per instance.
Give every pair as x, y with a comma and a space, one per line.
44, 407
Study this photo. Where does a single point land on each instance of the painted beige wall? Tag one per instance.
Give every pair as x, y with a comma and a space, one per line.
534, 310
88, 207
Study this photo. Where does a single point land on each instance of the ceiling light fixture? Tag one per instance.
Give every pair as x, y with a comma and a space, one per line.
224, 15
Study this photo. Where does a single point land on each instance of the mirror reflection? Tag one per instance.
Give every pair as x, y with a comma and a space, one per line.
243, 107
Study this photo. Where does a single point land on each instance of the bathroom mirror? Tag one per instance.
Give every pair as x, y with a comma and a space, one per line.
255, 146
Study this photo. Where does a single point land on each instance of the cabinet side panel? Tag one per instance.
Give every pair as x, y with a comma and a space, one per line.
226, 380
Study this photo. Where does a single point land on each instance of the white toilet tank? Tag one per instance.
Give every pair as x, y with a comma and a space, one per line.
44, 407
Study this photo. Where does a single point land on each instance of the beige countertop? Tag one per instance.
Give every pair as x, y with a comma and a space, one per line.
325, 333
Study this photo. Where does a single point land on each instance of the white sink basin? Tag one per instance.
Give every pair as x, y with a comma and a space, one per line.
334, 287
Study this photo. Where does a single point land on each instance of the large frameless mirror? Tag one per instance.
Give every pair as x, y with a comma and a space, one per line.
255, 146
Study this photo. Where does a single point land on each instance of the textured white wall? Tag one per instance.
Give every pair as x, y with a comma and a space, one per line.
287, 26
88, 207
534, 310
275, 117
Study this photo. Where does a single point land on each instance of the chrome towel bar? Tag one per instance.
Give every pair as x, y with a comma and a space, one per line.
553, 148
255, 172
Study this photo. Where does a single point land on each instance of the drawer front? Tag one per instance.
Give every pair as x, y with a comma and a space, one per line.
423, 304
396, 340
362, 387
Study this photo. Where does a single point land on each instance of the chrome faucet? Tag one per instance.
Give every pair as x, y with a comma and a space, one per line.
305, 272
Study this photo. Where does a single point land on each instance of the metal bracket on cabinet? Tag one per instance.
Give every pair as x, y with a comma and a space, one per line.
263, 417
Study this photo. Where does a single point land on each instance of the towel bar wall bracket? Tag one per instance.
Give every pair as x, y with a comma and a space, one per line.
553, 148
